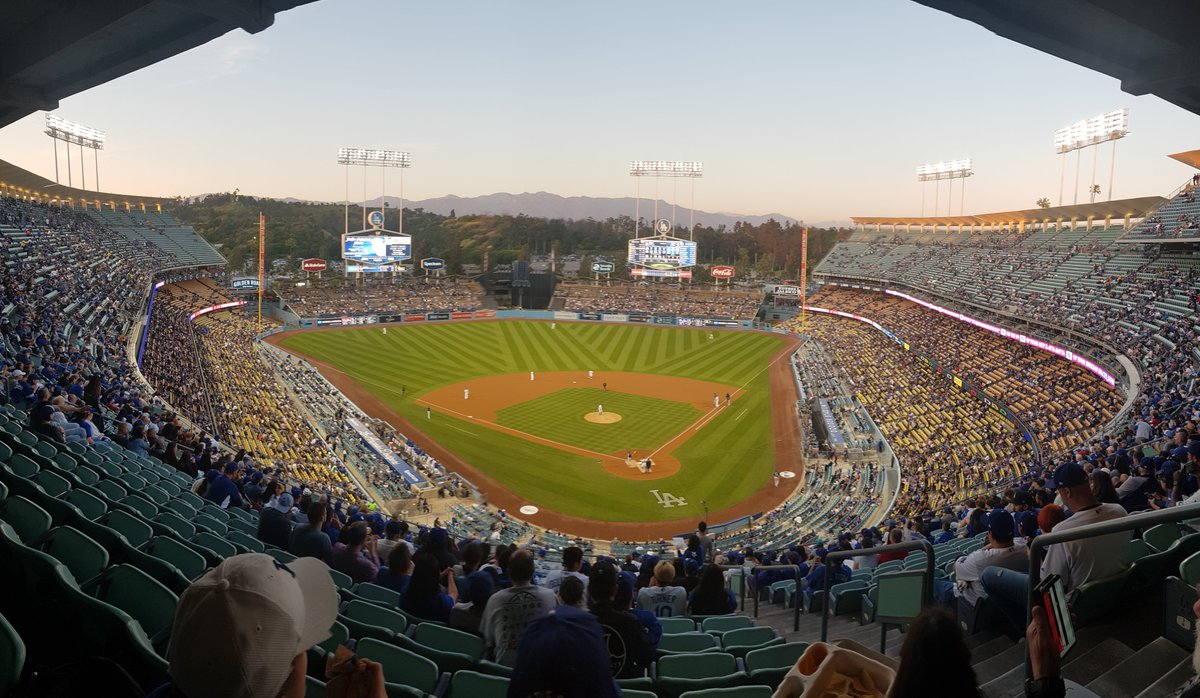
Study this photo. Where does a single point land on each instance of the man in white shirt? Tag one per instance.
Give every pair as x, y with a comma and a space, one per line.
509, 610
662, 598
1076, 562
572, 561
1001, 551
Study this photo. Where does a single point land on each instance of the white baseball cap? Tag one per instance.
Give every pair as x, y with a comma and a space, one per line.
239, 627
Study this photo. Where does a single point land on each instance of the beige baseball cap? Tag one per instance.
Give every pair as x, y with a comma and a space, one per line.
239, 627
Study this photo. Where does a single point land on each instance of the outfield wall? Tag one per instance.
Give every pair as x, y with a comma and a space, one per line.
564, 315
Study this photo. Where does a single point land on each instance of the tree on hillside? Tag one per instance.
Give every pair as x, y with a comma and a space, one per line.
1043, 202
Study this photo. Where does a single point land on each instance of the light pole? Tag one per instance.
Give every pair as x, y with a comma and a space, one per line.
1090, 133
666, 168
373, 158
72, 133
950, 170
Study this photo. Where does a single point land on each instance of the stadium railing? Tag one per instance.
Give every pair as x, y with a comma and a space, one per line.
1142, 521
882, 615
764, 568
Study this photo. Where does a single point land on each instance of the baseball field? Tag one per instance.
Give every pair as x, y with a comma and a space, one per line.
561, 416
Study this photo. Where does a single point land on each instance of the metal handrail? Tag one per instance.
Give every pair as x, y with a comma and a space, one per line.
840, 555
763, 568
1037, 549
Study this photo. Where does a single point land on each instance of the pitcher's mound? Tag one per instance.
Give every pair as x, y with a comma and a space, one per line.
606, 418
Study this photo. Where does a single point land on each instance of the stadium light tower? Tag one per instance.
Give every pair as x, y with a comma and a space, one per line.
72, 133
374, 158
937, 171
665, 168
1110, 126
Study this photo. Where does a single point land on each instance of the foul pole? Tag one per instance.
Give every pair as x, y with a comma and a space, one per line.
262, 258
803, 274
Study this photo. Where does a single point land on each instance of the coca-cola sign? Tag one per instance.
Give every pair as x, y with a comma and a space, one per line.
721, 272
314, 265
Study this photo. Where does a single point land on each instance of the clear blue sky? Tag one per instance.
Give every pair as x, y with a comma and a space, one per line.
817, 110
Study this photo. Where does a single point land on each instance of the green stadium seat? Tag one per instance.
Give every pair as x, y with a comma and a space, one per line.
51, 483
179, 507
144, 507
215, 526
472, 684
23, 466
89, 505
375, 593
1189, 569
215, 543
687, 643
83, 556
446, 639
147, 601
242, 539
338, 635
243, 526
30, 521
286, 557
739, 642
3, 491
174, 522
679, 673
195, 500
634, 693
400, 665
313, 688
1096, 599
674, 626
112, 490
12, 657
135, 530
189, 562
768, 665
847, 596
1136, 551
731, 692
216, 512
366, 613
722, 624
1159, 538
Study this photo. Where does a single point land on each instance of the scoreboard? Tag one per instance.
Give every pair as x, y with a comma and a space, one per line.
662, 253
376, 249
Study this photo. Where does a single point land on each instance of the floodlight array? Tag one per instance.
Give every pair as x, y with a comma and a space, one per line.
949, 169
71, 132
665, 168
373, 158
1106, 127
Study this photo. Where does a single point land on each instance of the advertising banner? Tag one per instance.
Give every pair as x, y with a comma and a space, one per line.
614, 317
664, 319
433, 263
485, 314
313, 265
589, 316
721, 272
437, 316
565, 315
638, 317
462, 315
414, 317
603, 267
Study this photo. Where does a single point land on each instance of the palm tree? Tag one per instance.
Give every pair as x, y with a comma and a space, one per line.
1094, 191
1043, 202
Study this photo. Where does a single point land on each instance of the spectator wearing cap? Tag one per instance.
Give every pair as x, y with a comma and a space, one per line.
275, 521
1001, 550
562, 653
223, 491
1075, 562
243, 630
509, 611
354, 553
629, 650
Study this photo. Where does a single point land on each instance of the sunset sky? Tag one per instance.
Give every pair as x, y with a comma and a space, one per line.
816, 110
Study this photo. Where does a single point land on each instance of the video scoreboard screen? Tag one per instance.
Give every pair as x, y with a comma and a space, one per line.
662, 253
376, 249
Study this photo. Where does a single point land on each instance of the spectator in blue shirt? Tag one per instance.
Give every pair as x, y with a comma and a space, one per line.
223, 490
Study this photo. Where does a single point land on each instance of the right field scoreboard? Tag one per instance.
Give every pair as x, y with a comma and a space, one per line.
661, 256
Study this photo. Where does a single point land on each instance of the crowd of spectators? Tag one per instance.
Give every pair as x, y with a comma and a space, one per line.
1059, 400
948, 442
336, 297
660, 299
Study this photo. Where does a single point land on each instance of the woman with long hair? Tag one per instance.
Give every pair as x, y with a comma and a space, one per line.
399, 570
711, 598
426, 597
1103, 488
934, 660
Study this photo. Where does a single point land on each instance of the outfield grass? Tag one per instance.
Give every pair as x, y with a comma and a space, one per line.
646, 423
730, 458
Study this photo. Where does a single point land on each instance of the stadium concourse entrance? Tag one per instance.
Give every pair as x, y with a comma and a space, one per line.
517, 287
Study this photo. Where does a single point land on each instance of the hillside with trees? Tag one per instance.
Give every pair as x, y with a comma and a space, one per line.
296, 230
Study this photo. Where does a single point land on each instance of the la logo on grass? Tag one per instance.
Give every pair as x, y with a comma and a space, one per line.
668, 500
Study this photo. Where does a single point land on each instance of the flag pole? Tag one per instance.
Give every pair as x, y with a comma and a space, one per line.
803, 274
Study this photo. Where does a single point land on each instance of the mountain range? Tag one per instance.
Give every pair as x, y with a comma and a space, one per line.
546, 205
